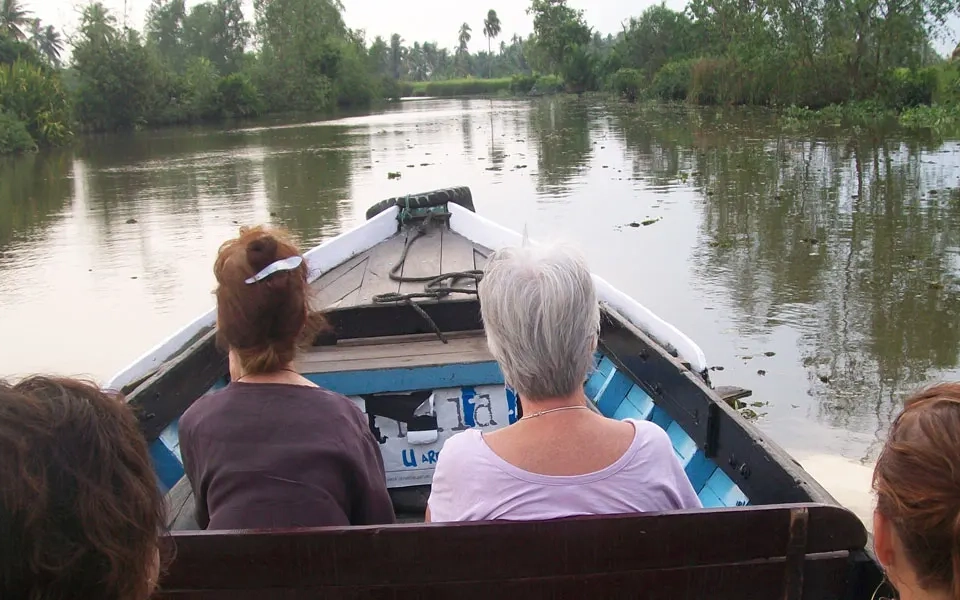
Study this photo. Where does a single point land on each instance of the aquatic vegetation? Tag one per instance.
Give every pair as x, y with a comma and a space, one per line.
940, 118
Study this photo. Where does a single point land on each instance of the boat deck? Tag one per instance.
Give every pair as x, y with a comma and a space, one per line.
356, 281
406, 352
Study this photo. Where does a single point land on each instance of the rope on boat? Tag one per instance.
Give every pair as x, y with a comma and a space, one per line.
433, 288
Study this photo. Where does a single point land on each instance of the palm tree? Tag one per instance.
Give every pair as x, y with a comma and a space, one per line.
51, 45
13, 17
464, 38
462, 52
491, 29
97, 23
396, 54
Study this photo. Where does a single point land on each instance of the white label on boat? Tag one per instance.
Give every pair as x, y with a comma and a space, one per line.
487, 408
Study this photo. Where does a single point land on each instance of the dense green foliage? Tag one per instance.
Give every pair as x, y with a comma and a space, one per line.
32, 94
195, 64
14, 136
810, 53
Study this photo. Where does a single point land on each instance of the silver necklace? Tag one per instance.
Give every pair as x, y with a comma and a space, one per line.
550, 410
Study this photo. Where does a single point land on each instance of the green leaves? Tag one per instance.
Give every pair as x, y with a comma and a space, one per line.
34, 96
559, 30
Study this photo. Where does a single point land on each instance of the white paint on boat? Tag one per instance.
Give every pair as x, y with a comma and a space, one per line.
494, 236
319, 260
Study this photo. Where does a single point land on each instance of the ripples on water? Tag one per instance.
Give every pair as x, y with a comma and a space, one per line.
836, 250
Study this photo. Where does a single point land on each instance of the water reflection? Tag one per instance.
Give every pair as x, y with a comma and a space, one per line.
142, 217
33, 191
852, 239
561, 131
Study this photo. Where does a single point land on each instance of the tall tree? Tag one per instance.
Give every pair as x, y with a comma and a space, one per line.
379, 57
491, 29
13, 19
559, 30
164, 29
463, 54
397, 52
217, 32
51, 45
302, 48
657, 37
463, 38
116, 75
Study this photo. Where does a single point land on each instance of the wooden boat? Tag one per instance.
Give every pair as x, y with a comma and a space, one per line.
410, 351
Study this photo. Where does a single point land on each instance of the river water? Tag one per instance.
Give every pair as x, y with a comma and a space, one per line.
818, 267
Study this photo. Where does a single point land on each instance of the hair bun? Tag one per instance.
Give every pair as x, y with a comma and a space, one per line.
262, 252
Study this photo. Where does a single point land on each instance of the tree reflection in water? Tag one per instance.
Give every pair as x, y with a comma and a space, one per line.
852, 237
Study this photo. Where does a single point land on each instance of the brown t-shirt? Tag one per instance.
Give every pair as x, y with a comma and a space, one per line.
263, 455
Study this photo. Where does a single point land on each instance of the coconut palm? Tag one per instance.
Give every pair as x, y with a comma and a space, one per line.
491, 29
463, 38
97, 23
463, 54
50, 45
13, 18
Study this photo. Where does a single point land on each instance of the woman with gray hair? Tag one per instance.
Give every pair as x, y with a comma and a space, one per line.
561, 459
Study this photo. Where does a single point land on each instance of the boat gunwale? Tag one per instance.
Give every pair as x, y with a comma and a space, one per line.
712, 418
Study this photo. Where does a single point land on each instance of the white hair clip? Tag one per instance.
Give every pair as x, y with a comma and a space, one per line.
285, 264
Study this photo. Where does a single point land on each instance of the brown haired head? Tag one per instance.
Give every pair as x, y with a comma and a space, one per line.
261, 322
917, 481
80, 511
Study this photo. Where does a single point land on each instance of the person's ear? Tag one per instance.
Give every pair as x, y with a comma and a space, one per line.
883, 539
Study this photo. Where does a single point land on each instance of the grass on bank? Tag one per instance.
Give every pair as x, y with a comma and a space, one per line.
460, 87
518, 85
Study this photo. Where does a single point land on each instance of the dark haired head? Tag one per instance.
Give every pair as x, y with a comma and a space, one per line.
260, 322
917, 481
80, 511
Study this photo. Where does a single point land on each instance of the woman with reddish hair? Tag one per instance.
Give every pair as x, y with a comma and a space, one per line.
917, 480
80, 511
273, 450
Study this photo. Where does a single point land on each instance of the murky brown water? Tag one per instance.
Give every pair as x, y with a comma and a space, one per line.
828, 260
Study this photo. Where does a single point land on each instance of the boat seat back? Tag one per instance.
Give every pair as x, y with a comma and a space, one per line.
783, 551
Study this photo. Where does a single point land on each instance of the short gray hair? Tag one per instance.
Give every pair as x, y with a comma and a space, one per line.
542, 318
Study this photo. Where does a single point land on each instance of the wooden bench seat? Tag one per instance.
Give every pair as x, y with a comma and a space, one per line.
784, 552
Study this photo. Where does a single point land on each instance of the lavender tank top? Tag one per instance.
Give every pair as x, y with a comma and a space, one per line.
472, 483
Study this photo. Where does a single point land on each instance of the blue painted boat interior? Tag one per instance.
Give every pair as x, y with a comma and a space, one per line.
613, 392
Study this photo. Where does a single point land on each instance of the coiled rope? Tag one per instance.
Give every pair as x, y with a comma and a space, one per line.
434, 288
